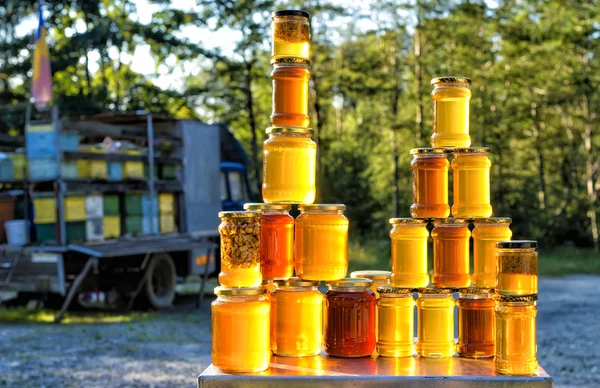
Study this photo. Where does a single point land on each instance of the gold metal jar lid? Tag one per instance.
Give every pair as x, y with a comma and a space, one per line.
451, 79
435, 291
242, 291
290, 61
371, 274
296, 282
290, 12
418, 221
316, 206
425, 151
471, 150
516, 298
517, 244
275, 130
267, 206
476, 290
493, 220
394, 290
239, 214
349, 283
451, 221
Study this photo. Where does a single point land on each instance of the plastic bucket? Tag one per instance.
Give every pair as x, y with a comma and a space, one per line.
17, 232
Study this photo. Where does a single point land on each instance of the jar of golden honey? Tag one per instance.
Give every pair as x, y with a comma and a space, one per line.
476, 334
487, 232
409, 253
395, 322
471, 173
240, 249
517, 267
451, 96
290, 92
321, 242
451, 253
290, 31
516, 346
289, 165
379, 278
276, 240
430, 183
296, 318
349, 329
268, 285
435, 323
240, 330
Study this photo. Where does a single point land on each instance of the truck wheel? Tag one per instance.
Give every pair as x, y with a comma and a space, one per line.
162, 280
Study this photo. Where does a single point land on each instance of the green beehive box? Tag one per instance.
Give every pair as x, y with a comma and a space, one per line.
133, 204
133, 225
45, 233
76, 232
111, 205
169, 172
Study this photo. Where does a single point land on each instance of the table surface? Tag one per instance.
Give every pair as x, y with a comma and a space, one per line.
374, 371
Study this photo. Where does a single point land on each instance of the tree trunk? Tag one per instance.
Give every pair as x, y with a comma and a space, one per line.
252, 123
419, 73
589, 171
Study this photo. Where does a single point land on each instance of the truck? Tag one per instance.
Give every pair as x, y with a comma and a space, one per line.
145, 267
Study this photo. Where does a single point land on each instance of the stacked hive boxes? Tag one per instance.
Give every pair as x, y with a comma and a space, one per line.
94, 209
111, 220
166, 209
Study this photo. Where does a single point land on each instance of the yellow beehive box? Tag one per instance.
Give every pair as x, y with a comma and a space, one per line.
19, 165
97, 169
167, 223
134, 170
75, 209
44, 210
166, 203
112, 226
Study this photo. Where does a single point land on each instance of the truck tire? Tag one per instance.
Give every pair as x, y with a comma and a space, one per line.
159, 290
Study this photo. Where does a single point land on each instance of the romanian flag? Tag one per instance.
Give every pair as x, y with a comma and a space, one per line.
41, 85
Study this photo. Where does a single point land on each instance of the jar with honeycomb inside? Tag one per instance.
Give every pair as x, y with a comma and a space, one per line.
296, 318
290, 92
321, 242
429, 183
276, 240
487, 232
395, 322
289, 166
451, 97
409, 253
379, 278
517, 267
476, 334
290, 33
240, 249
240, 327
471, 173
451, 253
516, 346
435, 323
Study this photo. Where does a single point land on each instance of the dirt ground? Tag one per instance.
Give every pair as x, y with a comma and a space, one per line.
171, 349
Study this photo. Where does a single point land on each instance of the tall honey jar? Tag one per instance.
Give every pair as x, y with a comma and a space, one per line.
429, 183
290, 92
435, 323
240, 330
516, 346
276, 240
409, 252
321, 242
471, 173
240, 249
451, 253
379, 278
517, 267
289, 166
451, 97
296, 318
476, 334
395, 322
486, 233
290, 33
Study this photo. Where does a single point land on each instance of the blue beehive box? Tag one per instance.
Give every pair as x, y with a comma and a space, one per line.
41, 145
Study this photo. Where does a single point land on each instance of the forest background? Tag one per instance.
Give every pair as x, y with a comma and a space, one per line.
534, 64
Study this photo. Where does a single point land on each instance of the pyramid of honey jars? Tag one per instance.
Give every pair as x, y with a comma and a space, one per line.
262, 309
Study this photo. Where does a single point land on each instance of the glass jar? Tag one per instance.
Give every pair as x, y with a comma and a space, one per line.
476, 334
516, 346
451, 253
379, 278
471, 172
240, 330
290, 32
487, 232
349, 318
290, 93
451, 96
276, 240
409, 253
270, 287
289, 165
395, 322
429, 183
435, 323
321, 242
296, 318
240, 249
517, 267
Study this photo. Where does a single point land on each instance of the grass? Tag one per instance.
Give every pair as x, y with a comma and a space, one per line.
42, 316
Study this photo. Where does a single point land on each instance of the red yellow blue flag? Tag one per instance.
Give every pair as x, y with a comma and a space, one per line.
41, 85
